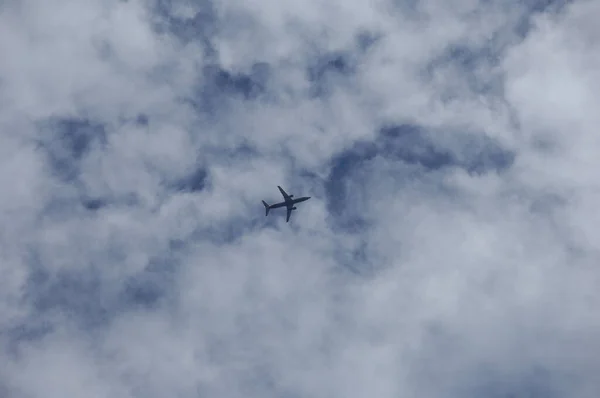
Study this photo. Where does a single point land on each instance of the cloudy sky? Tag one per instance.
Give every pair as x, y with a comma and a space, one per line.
450, 248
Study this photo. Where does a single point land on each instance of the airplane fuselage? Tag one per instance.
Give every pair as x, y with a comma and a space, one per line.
290, 202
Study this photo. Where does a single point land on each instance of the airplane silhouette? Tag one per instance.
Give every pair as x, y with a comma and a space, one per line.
289, 203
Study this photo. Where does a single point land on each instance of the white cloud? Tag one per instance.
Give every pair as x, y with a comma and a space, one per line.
460, 262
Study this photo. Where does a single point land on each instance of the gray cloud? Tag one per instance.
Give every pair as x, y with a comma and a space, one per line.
449, 247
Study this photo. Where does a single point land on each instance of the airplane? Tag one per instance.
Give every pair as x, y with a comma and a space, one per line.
289, 203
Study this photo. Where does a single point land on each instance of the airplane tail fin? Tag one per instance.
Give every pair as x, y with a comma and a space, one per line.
266, 208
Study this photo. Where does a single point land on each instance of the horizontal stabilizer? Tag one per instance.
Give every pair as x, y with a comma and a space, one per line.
266, 208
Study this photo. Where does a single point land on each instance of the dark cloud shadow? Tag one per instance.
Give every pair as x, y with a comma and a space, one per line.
88, 299
194, 182
247, 85
532, 382
77, 295
199, 28
326, 70
467, 60
410, 145
142, 120
23, 333
534, 8
218, 86
93, 204
407, 145
66, 141
148, 288
338, 188
476, 153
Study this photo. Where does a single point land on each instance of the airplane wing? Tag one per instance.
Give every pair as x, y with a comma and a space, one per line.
289, 213
285, 195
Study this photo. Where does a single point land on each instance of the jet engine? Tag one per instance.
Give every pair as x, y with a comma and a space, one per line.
294, 208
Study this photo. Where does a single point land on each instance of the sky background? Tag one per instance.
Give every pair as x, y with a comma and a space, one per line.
450, 248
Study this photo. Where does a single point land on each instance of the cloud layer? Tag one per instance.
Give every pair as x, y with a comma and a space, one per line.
449, 248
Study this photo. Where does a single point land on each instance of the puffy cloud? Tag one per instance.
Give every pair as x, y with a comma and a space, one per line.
448, 248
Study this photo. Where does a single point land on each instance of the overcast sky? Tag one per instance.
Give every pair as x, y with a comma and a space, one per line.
450, 248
